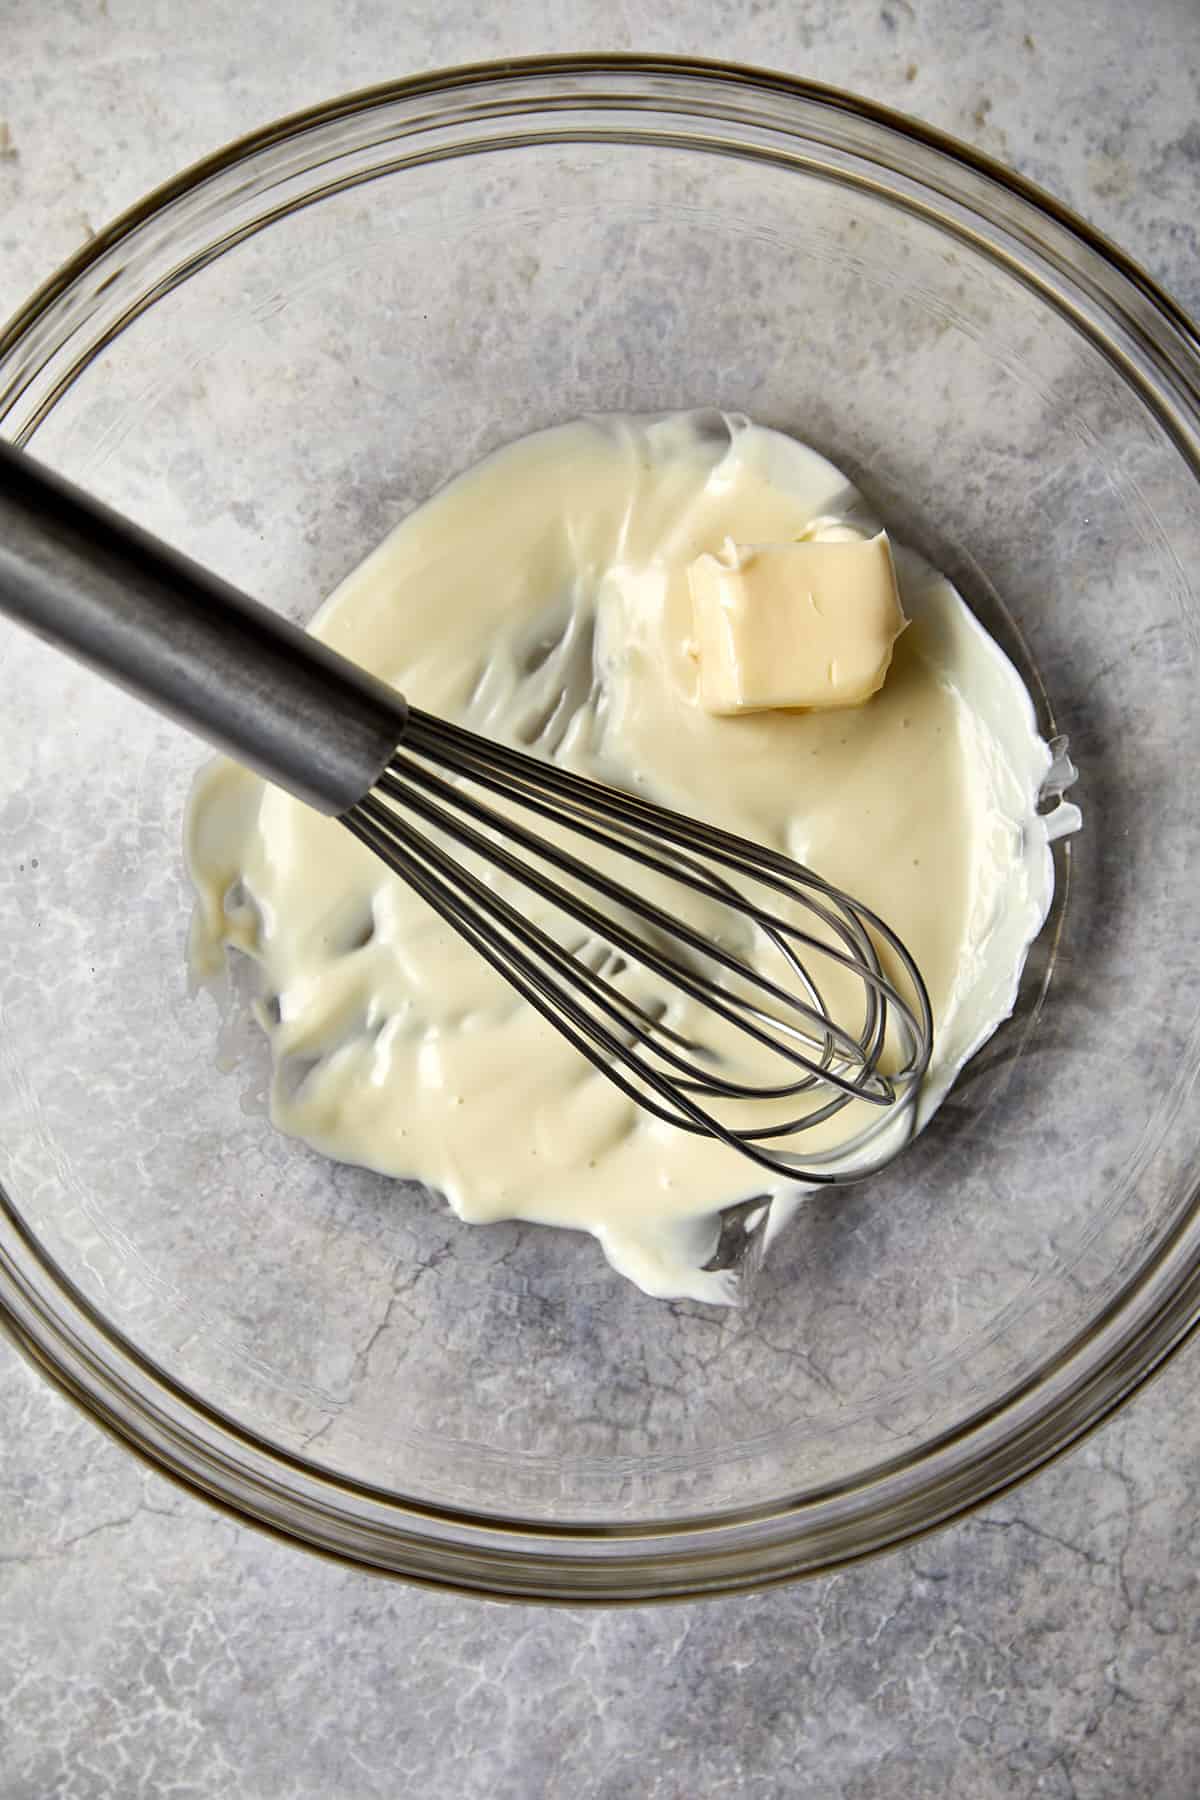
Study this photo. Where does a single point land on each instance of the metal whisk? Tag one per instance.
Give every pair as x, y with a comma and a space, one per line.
715, 1021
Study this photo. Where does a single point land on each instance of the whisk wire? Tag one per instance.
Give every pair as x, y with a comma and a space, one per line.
673, 1076
647, 1030
727, 1004
529, 781
526, 976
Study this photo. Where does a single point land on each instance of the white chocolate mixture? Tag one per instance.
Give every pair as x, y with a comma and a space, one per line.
543, 598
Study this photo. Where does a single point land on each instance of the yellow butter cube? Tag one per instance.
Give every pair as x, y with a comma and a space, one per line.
807, 624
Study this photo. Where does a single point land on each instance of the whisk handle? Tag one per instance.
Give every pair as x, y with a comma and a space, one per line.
89, 582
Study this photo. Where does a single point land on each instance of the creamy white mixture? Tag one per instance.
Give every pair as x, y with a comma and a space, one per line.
543, 598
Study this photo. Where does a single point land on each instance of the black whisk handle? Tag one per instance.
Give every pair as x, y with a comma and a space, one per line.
89, 582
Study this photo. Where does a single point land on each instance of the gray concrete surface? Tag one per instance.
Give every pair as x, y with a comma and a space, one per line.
148, 1647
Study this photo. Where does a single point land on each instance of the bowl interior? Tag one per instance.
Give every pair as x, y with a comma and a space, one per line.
273, 411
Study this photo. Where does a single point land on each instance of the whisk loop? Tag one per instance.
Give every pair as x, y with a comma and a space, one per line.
466, 789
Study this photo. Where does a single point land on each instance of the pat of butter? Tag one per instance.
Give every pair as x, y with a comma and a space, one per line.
808, 624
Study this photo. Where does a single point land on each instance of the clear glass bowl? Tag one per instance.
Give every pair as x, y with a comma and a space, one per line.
269, 361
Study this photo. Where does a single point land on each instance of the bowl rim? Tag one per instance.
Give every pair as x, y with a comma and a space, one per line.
208, 1453
459, 75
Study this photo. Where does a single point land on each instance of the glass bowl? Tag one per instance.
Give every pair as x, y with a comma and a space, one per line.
269, 361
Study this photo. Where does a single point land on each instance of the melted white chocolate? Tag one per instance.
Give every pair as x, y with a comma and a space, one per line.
543, 598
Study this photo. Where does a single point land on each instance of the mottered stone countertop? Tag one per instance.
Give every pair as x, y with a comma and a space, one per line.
1047, 1646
